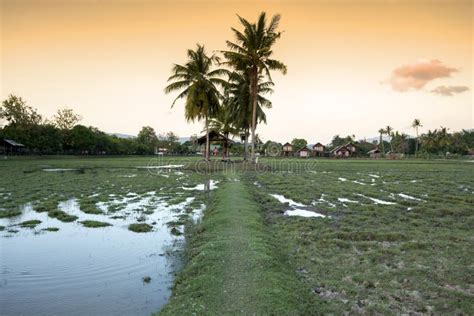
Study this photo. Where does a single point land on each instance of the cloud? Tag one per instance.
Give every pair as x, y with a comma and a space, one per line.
449, 90
416, 76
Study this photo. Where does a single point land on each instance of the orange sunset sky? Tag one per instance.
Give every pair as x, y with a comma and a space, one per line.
353, 66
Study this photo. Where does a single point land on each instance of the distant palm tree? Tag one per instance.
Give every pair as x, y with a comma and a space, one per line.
252, 54
388, 131
416, 124
382, 132
198, 83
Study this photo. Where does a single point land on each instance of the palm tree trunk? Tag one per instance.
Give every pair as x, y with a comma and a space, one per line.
207, 139
253, 93
416, 144
246, 146
383, 145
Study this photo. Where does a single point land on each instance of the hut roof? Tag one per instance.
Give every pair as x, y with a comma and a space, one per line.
287, 144
318, 145
374, 151
338, 148
213, 137
303, 149
13, 143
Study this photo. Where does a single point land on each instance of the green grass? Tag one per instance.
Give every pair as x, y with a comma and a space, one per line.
51, 229
234, 267
247, 257
30, 224
140, 227
409, 257
94, 224
62, 216
9, 213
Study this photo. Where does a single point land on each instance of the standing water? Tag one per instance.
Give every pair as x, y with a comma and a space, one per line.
89, 271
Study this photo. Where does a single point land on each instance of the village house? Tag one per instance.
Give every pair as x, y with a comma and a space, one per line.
351, 147
287, 150
318, 149
375, 153
8, 146
341, 152
303, 152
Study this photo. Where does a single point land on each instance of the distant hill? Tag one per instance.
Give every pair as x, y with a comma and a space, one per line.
119, 135
183, 139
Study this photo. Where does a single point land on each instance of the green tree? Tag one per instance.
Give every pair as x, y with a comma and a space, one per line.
147, 140
381, 142
416, 124
16, 112
252, 54
66, 119
388, 131
298, 143
198, 83
238, 103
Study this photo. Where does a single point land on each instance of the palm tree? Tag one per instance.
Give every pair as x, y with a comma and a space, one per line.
416, 124
381, 132
252, 54
239, 104
388, 131
197, 81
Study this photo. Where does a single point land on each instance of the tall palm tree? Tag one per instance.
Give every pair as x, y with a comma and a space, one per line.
388, 131
238, 102
382, 132
416, 125
198, 83
252, 54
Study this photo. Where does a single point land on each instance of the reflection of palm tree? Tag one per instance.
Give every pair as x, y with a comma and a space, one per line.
416, 124
198, 84
252, 54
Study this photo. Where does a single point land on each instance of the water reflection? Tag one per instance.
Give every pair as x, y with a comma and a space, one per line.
78, 270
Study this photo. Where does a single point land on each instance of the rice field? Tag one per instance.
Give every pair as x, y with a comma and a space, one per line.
129, 235
91, 230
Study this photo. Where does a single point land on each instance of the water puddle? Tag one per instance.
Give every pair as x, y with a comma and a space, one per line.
303, 213
295, 208
408, 197
60, 170
208, 186
376, 201
345, 200
57, 271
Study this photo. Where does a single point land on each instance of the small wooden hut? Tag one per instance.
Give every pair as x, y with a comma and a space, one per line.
341, 152
8, 147
318, 149
287, 150
303, 152
215, 137
375, 153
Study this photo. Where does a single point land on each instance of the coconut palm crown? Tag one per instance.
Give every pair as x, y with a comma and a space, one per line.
252, 54
198, 83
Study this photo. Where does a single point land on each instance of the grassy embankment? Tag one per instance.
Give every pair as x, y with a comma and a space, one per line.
234, 266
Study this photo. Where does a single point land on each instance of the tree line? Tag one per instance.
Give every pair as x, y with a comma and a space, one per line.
62, 134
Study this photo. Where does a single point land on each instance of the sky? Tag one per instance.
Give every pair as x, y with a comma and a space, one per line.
353, 66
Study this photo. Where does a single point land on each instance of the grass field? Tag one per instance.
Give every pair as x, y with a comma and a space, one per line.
387, 237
